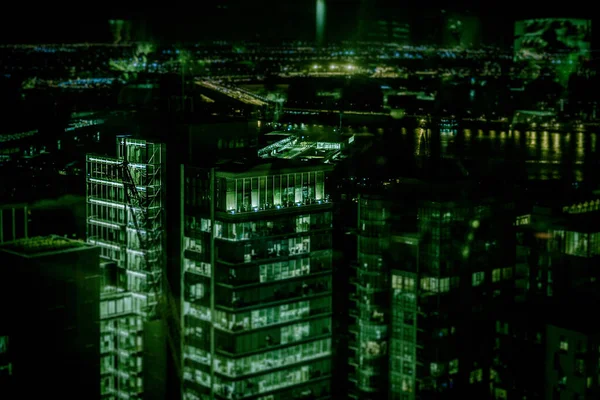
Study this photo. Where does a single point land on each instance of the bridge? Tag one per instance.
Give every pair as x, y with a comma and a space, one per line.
234, 93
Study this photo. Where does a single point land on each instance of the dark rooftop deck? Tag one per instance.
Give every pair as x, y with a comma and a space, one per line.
41, 245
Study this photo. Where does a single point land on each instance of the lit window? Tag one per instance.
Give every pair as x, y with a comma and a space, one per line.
500, 394
476, 376
577, 244
3, 344
453, 368
563, 381
496, 275
502, 327
430, 284
478, 278
407, 386
564, 344
444, 285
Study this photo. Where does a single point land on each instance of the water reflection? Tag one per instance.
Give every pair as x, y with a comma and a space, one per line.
545, 154
541, 154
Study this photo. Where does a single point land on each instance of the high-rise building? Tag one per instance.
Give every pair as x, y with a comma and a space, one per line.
257, 281
126, 220
430, 267
49, 332
543, 337
562, 247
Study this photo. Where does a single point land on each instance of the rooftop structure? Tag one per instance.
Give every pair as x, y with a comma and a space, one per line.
305, 146
39, 246
65, 275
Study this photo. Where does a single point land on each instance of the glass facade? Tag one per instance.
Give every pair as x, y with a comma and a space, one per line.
257, 268
403, 341
424, 268
248, 194
128, 231
372, 288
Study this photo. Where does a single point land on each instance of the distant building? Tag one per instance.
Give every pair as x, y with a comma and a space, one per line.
389, 30
562, 247
49, 332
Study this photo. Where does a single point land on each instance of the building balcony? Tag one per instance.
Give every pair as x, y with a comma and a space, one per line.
242, 327
306, 206
304, 293
275, 234
196, 311
240, 284
254, 389
264, 256
269, 365
353, 345
230, 352
197, 268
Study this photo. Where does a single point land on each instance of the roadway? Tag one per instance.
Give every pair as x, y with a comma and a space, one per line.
235, 93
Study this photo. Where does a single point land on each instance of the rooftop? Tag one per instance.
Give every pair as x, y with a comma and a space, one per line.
36, 246
307, 144
259, 167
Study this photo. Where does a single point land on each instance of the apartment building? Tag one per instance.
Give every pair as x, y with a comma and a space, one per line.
257, 256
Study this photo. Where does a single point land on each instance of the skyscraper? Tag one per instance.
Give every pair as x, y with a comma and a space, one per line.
257, 281
125, 217
49, 332
432, 266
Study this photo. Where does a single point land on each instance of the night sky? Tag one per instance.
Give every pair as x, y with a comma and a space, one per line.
251, 20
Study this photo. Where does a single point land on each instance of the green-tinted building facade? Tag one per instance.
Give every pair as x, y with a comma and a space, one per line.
256, 282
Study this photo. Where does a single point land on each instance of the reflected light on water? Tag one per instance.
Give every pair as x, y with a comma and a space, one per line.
545, 142
546, 152
556, 143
